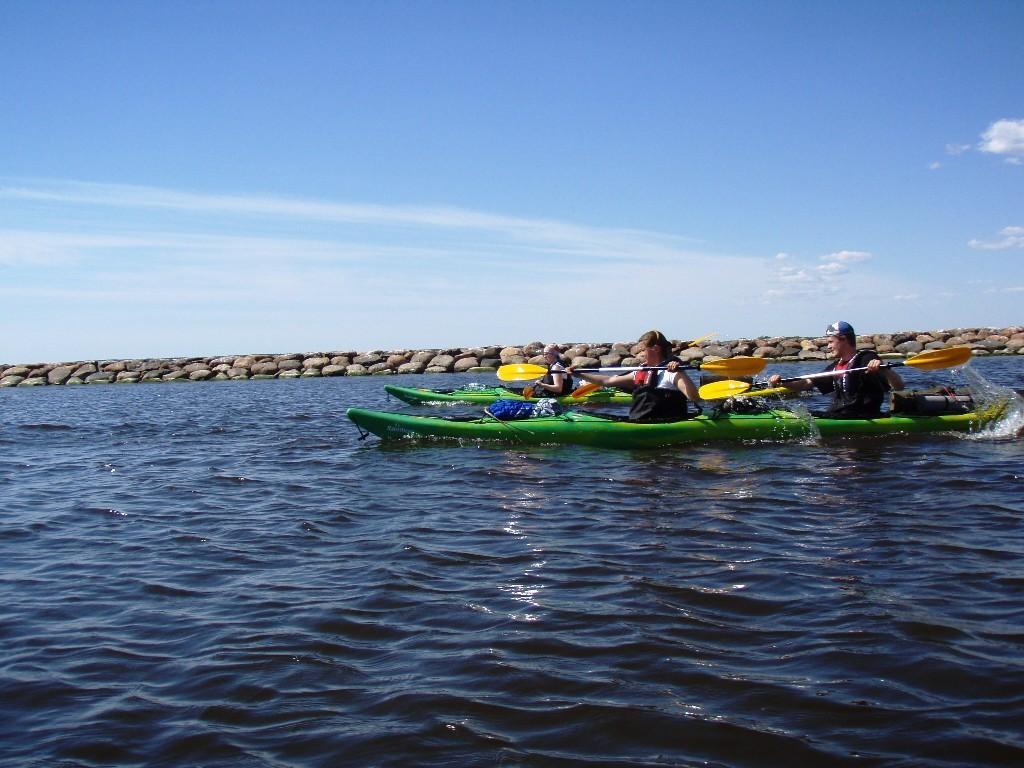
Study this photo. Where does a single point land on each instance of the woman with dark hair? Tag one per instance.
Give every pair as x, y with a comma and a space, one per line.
658, 395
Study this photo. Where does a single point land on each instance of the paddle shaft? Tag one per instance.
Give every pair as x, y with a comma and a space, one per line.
827, 374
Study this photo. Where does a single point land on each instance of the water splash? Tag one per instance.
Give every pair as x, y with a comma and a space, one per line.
997, 397
797, 408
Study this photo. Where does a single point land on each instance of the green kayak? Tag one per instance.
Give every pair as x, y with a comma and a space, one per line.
608, 432
487, 395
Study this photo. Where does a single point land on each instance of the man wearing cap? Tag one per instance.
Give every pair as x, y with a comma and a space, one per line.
855, 395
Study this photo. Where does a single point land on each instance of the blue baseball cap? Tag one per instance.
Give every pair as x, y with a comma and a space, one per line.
840, 328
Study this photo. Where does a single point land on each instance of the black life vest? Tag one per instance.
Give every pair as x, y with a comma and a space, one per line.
652, 404
857, 395
567, 386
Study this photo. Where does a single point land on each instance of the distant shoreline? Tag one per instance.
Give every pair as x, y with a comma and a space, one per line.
983, 342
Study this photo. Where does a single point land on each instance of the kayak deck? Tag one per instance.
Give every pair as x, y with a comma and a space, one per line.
589, 429
487, 395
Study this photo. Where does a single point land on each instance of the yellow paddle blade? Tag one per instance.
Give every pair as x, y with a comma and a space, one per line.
719, 390
585, 389
695, 342
520, 371
934, 359
736, 366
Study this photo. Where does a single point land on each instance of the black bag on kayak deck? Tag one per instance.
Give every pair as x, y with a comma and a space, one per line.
934, 402
509, 410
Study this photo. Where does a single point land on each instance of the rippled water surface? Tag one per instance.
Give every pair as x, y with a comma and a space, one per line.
223, 574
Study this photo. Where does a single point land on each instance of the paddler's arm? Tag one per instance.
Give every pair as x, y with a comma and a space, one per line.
797, 385
894, 379
624, 381
683, 382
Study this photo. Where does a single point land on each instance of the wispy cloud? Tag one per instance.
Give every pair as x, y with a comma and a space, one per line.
1005, 137
846, 257
795, 279
256, 272
1012, 237
542, 236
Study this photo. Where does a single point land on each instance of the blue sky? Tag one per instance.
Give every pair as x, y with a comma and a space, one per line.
200, 178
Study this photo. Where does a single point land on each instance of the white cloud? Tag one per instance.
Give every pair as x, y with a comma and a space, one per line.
934, 166
1004, 137
549, 236
1012, 237
957, 149
792, 280
247, 273
906, 297
847, 257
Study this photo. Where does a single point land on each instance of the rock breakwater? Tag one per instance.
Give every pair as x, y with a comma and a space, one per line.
983, 341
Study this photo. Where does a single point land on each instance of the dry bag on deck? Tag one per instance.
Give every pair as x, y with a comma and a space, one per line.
933, 402
509, 410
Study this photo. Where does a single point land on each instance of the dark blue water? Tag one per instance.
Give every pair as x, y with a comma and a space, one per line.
222, 574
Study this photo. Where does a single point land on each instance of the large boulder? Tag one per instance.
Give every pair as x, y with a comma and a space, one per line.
909, 347
60, 374
511, 355
412, 367
368, 358
424, 356
316, 363
84, 370
689, 355
444, 362
717, 350
585, 362
266, 368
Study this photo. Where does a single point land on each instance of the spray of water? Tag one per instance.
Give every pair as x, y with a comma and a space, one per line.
799, 409
997, 398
